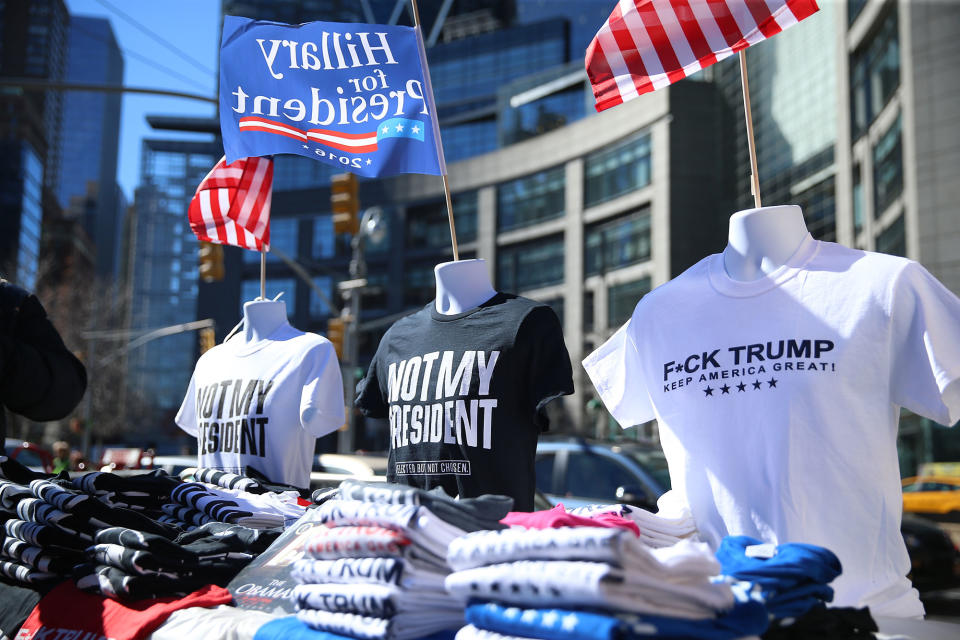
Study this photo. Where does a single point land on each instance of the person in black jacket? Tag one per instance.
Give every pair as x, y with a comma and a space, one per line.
40, 378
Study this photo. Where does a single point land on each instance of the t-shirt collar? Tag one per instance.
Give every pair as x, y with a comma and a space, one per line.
443, 317
242, 349
725, 285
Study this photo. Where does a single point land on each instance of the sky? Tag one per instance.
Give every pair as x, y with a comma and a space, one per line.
192, 27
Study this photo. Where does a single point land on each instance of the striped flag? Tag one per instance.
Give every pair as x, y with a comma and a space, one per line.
232, 204
648, 44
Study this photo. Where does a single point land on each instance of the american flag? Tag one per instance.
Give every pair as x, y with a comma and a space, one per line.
232, 204
648, 44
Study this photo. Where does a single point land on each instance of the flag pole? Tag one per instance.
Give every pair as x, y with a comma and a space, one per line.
263, 275
436, 129
754, 175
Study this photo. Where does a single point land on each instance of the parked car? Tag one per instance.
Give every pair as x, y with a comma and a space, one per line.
934, 559
174, 464
330, 469
576, 471
934, 497
29, 454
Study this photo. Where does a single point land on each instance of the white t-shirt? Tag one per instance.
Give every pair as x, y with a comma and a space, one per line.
264, 404
778, 400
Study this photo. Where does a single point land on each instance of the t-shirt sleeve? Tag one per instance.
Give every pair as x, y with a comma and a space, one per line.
371, 397
321, 399
616, 372
925, 317
186, 417
550, 373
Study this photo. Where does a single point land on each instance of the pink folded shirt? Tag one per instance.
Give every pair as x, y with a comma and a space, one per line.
558, 517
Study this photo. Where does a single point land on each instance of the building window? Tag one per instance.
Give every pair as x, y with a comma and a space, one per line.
375, 293
531, 199
623, 298
31, 216
854, 7
617, 243
893, 239
557, 305
318, 306
428, 225
540, 116
614, 172
874, 74
324, 240
250, 290
588, 313
419, 285
819, 210
529, 265
857, 200
283, 238
887, 169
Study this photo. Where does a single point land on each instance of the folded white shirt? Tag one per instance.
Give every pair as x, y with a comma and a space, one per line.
403, 626
421, 525
558, 583
620, 547
377, 600
405, 573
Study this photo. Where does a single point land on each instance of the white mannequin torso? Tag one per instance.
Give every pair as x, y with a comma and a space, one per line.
261, 318
762, 240
462, 285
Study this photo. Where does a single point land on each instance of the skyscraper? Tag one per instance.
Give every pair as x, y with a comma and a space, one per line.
33, 36
164, 273
90, 139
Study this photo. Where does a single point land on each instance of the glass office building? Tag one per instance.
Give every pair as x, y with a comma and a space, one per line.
89, 141
164, 286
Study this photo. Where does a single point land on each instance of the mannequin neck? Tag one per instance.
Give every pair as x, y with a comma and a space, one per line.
261, 318
762, 240
462, 285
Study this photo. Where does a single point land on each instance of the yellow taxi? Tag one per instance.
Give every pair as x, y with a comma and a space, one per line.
933, 496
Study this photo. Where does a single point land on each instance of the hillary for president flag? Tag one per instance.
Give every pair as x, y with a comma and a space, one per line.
648, 44
351, 95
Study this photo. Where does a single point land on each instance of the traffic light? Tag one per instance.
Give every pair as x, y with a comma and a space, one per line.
344, 202
211, 262
335, 334
208, 339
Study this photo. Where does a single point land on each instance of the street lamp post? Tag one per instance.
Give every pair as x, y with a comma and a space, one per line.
372, 229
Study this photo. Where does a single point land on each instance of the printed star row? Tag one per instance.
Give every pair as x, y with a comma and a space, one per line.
725, 389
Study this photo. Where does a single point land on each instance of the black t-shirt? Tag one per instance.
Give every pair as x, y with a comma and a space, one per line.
465, 395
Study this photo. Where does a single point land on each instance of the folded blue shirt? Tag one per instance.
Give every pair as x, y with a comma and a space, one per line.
792, 565
747, 618
291, 628
792, 581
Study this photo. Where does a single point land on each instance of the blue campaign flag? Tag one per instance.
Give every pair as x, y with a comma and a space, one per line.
351, 95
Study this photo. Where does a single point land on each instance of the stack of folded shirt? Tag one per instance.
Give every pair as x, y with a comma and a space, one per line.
129, 565
184, 517
543, 582
377, 571
671, 523
228, 480
792, 578
143, 492
235, 506
46, 527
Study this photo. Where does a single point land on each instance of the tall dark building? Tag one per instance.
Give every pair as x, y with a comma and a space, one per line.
164, 272
33, 36
91, 133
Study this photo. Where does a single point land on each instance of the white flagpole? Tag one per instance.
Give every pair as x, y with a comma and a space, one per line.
436, 128
754, 175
